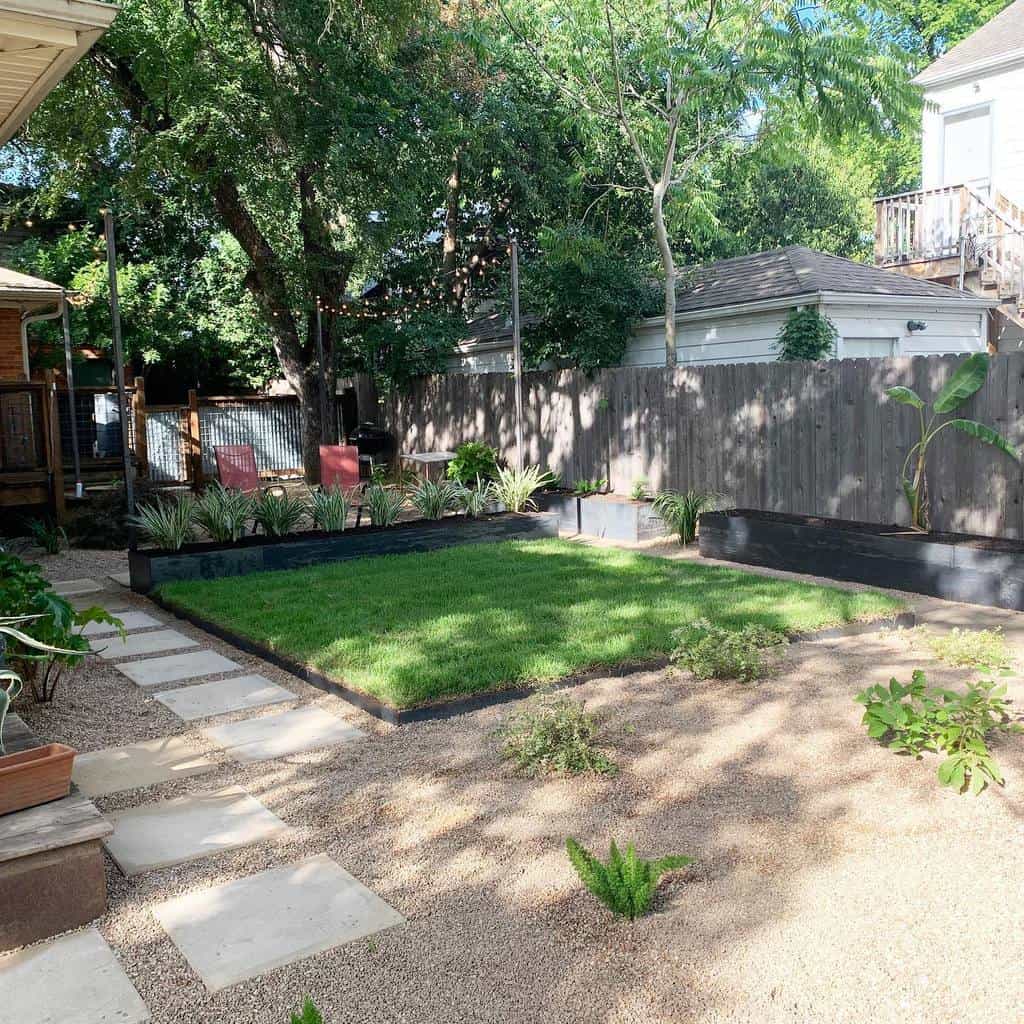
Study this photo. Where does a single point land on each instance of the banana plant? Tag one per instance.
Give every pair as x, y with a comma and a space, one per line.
967, 380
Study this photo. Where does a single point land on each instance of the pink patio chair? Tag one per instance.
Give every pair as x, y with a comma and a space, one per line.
236, 467
339, 467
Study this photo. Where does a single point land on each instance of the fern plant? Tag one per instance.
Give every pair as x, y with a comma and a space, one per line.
384, 504
432, 500
222, 513
167, 524
278, 514
626, 884
681, 511
329, 509
514, 487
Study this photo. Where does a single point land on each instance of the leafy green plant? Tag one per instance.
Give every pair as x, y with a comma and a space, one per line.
169, 524
384, 504
404, 478
309, 1015
473, 500
223, 513
48, 535
514, 487
329, 508
966, 381
473, 460
278, 514
914, 718
581, 488
806, 334
554, 733
969, 648
639, 489
432, 500
681, 511
713, 652
626, 884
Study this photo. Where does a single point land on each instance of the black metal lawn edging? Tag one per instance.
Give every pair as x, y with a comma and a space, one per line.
150, 568
956, 567
474, 702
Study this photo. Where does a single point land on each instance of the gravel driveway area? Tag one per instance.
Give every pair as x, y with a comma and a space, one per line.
835, 882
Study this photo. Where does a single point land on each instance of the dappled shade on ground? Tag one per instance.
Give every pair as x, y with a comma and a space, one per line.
408, 629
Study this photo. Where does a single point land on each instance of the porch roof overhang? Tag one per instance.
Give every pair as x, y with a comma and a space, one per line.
28, 294
40, 41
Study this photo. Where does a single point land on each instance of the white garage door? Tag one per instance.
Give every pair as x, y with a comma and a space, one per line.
868, 348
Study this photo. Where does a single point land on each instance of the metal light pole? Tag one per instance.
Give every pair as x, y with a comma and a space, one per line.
325, 433
517, 352
122, 395
69, 372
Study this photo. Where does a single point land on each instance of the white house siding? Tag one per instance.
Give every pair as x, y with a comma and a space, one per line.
495, 357
1004, 90
743, 338
947, 331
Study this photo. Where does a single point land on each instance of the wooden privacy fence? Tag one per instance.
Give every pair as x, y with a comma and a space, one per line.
811, 438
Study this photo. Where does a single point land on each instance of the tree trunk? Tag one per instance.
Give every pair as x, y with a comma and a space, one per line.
668, 267
308, 391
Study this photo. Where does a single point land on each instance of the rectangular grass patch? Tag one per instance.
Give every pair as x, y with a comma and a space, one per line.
411, 629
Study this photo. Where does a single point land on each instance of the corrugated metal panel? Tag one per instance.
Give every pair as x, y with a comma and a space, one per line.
272, 426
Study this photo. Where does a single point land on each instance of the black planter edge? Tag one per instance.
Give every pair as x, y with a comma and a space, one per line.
464, 705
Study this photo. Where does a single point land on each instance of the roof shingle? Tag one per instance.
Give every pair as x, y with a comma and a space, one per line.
1003, 34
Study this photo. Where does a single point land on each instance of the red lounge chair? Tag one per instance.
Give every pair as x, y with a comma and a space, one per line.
236, 467
339, 467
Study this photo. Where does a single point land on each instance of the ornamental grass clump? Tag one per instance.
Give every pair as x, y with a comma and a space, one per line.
681, 511
473, 501
384, 504
222, 513
626, 884
554, 733
913, 718
432, 500
169, 524
714, 652
514, 487
278, 514
329, 508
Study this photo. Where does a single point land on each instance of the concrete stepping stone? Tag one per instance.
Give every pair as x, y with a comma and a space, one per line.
289, 732
204, 700
135, 644
176, 667
188, 828
140, 764
130, 621
123, 578
74, 979
72, 588
242, 929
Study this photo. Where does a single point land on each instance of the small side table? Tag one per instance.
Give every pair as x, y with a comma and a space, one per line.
427, 460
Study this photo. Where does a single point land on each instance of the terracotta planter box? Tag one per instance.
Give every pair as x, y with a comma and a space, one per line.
954, 566
35, 776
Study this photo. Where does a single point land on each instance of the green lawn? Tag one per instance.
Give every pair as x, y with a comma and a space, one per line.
409, 629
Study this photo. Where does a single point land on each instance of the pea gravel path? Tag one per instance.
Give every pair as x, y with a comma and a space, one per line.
835, 881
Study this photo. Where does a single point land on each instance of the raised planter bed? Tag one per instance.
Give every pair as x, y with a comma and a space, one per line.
957, 567
35, 776
612, 516
149, 568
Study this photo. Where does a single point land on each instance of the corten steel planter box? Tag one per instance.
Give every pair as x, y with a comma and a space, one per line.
35, 776
612, 516
150, 568
957, 567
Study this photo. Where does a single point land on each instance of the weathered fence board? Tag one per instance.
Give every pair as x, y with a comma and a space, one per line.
790, 437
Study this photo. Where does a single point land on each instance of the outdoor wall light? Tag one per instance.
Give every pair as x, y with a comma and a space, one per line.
916, 325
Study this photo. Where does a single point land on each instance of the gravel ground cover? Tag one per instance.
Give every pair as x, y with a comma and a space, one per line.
835, 881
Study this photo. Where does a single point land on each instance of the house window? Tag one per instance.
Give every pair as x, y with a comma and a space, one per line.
868, 348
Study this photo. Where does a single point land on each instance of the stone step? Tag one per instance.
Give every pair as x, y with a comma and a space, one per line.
278, 735
239, 693
177, 668
146, 763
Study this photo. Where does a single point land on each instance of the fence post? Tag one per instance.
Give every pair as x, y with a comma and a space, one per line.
54, 449
139, 414
195, 449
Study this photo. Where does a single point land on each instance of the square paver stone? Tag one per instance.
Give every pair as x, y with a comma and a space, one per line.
139, 764
176, 667
188, 828
75, 979
130, 621
243, 929
72, 588
124, 578
135, 644
204, 700
289, 732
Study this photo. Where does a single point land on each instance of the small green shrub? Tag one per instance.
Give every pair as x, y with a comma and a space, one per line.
806, 334
582, 488
554, 733
432, 500
167, 523
969, 648
639, 489
473, 501
514, 487
48, 535
222, 513
384, 504
329, 509
681, 511
278, 514
626, 884
914, 718
473, 460
713, 652
310, 1014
